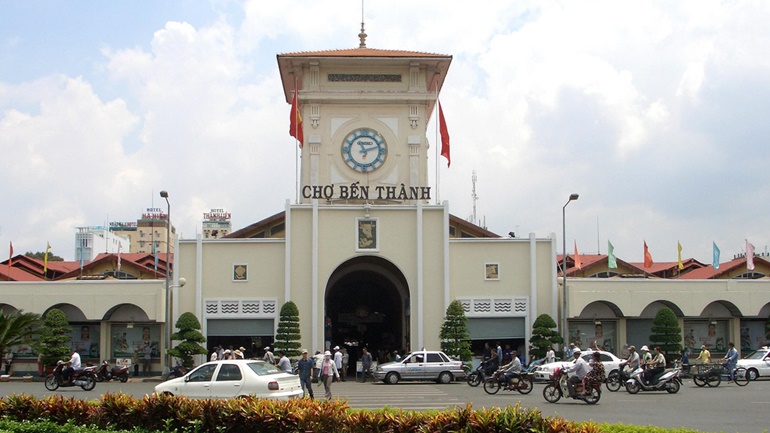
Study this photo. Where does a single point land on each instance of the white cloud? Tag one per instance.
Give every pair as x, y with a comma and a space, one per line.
647, 110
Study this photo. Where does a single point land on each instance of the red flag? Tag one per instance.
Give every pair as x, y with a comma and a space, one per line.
647, 256
444, 135
578, 263
295, 121
10, 261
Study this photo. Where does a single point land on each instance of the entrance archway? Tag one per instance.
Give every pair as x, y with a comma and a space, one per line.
367, 302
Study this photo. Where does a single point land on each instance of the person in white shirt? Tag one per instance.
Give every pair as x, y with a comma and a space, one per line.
337, 358
550, 356
284, 363
513, 368
213, 354
73, 365
580, 368
632, 363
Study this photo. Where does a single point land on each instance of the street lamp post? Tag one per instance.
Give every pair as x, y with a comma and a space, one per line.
167, 357
564, 331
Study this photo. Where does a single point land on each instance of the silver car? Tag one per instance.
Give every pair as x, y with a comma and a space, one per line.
421, 365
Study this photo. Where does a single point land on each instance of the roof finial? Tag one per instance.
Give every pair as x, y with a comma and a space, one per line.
362, 35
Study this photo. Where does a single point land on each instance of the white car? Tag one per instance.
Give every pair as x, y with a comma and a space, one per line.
421, 365
234, 378
610, 361
757, 363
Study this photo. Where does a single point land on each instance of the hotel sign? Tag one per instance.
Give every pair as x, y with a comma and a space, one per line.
364, 192
217, 215
154, 213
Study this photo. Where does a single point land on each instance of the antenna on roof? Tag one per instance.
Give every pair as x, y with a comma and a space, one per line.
362, 35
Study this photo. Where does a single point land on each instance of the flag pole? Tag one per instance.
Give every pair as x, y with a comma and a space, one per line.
296, 147
436, 141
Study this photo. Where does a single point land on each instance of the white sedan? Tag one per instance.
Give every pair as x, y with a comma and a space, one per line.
234, 378
757, 363
610, 361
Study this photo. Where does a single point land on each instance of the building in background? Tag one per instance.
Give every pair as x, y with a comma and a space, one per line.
216, 224
92, 241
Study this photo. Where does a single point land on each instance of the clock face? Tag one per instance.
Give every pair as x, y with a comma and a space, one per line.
364, 150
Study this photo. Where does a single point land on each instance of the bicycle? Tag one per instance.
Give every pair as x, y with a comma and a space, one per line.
713, 376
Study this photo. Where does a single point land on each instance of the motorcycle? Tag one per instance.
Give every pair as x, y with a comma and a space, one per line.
115, 373
556, 388
177, 371
617, 378
85, 378
522, 383
478, 376
668, 381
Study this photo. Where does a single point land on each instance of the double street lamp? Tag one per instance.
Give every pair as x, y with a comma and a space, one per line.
564, 329
167, 357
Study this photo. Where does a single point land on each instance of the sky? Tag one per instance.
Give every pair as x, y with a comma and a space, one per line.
655, 112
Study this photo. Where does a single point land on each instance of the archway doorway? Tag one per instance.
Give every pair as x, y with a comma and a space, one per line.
367, 303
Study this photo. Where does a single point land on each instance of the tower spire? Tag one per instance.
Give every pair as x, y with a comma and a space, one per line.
362, 35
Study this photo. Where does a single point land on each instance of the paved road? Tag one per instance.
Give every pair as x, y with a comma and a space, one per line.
728, 408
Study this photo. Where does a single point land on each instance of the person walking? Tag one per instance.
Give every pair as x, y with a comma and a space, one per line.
345, 361
550, 356
329, 372
366, 364
338, 359
305, 372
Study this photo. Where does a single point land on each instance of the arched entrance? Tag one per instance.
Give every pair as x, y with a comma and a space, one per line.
367, 302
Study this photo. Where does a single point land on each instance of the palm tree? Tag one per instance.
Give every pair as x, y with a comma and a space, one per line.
16, 328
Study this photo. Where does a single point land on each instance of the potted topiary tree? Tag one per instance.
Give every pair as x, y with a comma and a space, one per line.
287, 337
455, 337
667, 334
55, 340
544, 336
189, 333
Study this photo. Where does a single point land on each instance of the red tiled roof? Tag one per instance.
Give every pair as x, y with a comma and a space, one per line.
363, 52
16, 274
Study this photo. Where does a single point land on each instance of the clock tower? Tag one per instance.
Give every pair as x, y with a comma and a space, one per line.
364, 116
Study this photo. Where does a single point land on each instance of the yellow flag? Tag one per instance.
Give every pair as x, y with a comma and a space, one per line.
45, 259
679, 254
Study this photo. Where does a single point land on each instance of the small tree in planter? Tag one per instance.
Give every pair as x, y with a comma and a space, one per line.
667, 334
455, 337
287, 337
544, 336
189, 333
55, 340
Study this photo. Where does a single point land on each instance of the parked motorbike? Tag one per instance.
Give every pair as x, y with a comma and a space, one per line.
556, 388
115, 373
669, 381
85, 378
522, 383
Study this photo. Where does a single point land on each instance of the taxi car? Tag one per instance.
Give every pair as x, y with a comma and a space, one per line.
757, 363
234, 378
421, 365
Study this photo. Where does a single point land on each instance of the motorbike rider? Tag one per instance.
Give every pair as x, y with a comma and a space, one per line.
491, 364
513, 368
580, 368
654, 366
596, 375
632, 363
73, 365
